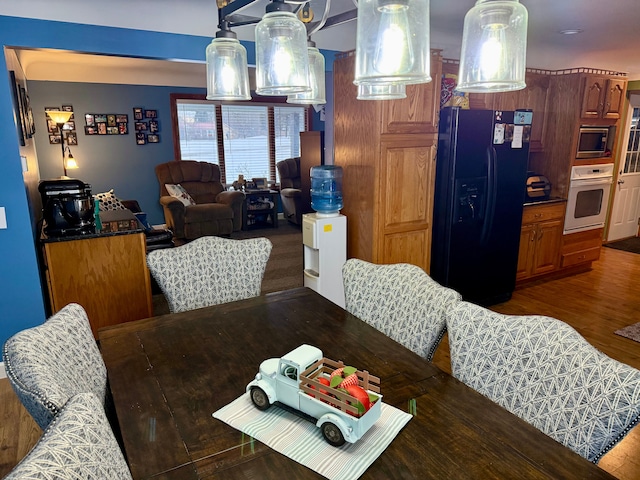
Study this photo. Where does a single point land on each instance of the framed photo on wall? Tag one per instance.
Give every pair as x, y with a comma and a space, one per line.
17, 108
137, 113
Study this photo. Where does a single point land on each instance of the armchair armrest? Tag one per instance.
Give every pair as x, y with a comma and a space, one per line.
290, 193
174, 211
234, 200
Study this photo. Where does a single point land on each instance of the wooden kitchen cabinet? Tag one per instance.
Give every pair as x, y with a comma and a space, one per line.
602, 97
387, 150
106, 274
581, 248
540, 240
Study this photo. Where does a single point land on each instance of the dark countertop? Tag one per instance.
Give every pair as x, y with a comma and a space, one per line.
114, 222
544, 200
90, 233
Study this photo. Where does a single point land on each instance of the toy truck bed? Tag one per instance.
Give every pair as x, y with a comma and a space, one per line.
335, 405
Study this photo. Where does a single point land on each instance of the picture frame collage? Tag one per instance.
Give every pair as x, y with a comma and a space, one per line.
25, 124
106, 124
146, 126
68, 134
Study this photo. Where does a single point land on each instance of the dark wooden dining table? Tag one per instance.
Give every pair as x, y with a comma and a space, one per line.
168, 374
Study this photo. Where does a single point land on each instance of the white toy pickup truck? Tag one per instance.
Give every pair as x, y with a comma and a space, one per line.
300, 380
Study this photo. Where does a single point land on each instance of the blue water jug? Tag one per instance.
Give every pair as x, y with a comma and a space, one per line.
326, 189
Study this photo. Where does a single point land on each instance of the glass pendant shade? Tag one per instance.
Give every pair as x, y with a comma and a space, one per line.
282, 61
317, 94
392, 43
227, 71
393, 91
494, 47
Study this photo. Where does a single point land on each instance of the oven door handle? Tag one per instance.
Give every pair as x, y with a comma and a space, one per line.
588, 183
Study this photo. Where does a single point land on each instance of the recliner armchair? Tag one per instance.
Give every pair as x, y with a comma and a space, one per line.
290, 192
215, 212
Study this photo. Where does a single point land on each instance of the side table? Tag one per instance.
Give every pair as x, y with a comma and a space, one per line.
260, 209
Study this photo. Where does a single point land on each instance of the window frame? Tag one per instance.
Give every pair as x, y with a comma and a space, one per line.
256, 100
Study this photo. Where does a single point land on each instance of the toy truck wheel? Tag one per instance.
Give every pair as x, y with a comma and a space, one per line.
259, 398
332, 434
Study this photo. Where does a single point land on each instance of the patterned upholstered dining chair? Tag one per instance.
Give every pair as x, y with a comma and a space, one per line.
78, 443
48, 364
401, 301
209, 271
542, 370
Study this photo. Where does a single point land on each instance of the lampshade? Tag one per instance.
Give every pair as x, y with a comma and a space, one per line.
392, 43
282, 61
59, 116
494, 45
227, 72
70, 162
317, 94
391, 91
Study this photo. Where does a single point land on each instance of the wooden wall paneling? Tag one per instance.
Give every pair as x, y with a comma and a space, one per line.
561, 133
356, 149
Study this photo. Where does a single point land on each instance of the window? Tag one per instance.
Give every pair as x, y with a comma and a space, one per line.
244, 139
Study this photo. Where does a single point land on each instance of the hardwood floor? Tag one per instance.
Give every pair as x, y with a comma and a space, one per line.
596, 303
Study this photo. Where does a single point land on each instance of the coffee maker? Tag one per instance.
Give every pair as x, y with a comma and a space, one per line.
68, 207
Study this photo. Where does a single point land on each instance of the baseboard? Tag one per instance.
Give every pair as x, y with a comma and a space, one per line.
3, 373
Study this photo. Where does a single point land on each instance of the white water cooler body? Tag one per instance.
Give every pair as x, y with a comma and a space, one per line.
325, 251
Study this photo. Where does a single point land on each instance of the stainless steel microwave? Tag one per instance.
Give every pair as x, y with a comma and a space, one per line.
593, 142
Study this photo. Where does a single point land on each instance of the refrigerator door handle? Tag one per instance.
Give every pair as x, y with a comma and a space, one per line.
491, 195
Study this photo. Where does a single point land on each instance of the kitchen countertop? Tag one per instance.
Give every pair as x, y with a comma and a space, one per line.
544, 201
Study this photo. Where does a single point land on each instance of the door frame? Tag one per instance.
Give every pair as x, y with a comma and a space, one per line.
633, 100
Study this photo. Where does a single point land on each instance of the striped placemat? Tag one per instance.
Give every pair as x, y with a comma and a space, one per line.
302, 441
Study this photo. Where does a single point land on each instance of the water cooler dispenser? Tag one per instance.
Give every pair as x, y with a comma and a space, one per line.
324, 235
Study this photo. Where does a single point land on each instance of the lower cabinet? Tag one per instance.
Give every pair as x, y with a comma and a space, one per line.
105, 274
581, 248
540, 240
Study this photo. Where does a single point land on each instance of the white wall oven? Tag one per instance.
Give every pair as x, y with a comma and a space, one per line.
588, 197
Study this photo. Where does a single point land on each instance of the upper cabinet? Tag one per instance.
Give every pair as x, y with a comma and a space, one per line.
418, 113
603, 97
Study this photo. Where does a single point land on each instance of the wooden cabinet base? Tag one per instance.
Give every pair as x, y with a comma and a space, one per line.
107, 275
581, 247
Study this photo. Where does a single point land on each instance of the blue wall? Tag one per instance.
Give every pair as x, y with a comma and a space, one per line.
108, 161
22, 303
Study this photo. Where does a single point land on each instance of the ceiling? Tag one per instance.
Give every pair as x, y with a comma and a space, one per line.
610, 40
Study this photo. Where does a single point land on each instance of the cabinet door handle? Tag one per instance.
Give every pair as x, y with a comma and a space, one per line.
532, 236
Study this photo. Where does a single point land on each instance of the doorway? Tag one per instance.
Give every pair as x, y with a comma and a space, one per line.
625, 212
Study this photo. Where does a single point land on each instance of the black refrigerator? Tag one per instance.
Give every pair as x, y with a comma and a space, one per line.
481, 172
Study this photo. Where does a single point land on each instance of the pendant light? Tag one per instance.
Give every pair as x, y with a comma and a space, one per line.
392, 91
282, 61
227, 71
494, 44
317, 94
392, 42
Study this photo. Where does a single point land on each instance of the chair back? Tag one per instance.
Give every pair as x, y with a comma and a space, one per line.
209, 271
48, 364
78, 443
542, 370
201, 180
289, 171
401, 301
